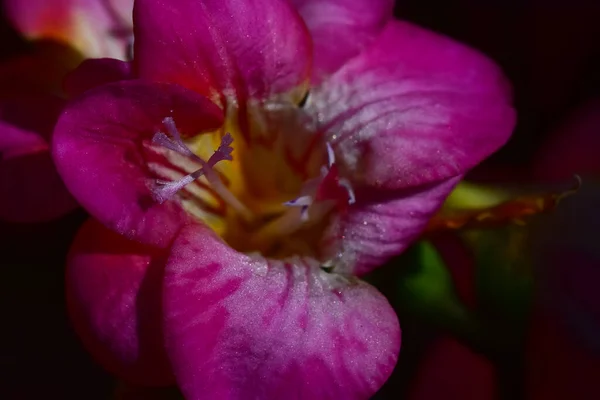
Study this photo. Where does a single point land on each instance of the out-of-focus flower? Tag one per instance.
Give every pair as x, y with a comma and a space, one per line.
452, 371
95, 28
31, 188
273, 153
564, 354
32, 95
113, 290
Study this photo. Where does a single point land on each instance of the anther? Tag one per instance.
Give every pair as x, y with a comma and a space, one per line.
164, 190
328, 191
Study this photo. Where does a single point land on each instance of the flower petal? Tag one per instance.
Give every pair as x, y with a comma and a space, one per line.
413, 109
239, 327
240, 48
95, 72
341, 29
32, 190
96, 28
100, 150
452, 371
114, 299
382, 224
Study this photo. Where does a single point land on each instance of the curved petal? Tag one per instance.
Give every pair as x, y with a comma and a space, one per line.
102, 150
113, 291
96, 72
32, 190
341, 29
239, 327
382, 225
452, 371
572, 148
239, 48
96, 28
413, 109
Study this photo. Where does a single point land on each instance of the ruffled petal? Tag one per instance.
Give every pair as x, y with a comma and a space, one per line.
382, 225
102, 150
242, 327
413, 109
96, 72
114, 300
96, 28
32, 190
237, 48
341, 29
452, 371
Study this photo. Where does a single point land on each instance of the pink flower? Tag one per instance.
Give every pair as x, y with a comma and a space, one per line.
564, 347
32, 190
273, 153
95, 28
450, 370
31, 95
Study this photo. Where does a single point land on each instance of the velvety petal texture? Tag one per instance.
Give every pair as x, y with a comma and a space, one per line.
407, 118
114, 299
96, 28
341, 29
32, 190
242, 327
382, 224
413, 109
239, 49
101, 151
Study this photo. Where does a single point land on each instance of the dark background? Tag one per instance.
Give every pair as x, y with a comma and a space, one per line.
550, 50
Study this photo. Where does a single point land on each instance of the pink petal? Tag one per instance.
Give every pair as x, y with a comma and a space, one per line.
96, 72
572, 148
452, 371
239, 48
32, 190
242, 327
100, 149
414, 109
96, 28
113, 295
382, 225
341, 29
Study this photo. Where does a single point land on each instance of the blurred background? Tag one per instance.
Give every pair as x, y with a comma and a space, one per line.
509, 312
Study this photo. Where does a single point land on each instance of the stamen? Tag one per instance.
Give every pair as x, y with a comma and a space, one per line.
163, 191
303, 202
327, 190
330, 155
346, 184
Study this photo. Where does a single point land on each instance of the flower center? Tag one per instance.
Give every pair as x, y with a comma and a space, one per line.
270, 185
